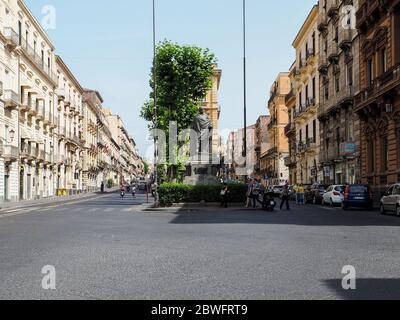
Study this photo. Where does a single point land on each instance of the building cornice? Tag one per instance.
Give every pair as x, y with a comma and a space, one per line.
37, 25
311, 19
60, 62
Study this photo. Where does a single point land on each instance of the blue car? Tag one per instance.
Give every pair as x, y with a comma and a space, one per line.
358, 196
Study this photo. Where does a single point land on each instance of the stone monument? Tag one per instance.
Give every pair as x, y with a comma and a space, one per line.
201, 169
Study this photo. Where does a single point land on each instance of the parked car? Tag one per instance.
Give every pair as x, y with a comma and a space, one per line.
334, 195
390, 201
315, 193
358, 196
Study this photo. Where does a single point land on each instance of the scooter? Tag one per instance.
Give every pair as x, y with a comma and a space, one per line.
122, 193
269, 202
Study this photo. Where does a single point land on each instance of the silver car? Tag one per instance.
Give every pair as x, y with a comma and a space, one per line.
390, 201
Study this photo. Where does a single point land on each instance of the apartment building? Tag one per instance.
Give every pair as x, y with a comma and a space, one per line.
54, 136
36, 92
262, 145
338, 66
69, 134
276, 171
290, 129
240, 165
378, 103
9, 101
306, 88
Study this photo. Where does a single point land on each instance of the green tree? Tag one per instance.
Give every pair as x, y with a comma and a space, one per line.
183, 76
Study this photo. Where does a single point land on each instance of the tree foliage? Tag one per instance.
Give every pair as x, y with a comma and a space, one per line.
183, 77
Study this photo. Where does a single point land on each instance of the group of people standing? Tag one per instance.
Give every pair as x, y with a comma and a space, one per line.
256, 191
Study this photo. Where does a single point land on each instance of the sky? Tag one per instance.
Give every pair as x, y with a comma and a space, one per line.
108, 47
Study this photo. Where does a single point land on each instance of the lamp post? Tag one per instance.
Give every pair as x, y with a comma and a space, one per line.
244, 152
155, 105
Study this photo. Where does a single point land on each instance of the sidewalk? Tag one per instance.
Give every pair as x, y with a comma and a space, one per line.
51, 200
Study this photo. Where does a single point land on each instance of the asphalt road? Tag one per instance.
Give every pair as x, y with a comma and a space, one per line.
109, 248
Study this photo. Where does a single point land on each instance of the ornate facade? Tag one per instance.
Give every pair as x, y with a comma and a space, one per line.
378, 103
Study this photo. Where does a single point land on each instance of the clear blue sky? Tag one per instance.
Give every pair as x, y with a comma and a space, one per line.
108, 46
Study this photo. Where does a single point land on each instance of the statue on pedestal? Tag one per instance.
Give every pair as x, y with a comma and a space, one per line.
202, 126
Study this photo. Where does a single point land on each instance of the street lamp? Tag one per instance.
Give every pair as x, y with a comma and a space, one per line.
244, 152
155, 104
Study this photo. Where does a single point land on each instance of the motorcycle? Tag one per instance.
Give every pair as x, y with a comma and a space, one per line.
122, 193
134, 192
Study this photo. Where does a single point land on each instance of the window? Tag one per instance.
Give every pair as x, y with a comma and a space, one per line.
384, 153
314, 130
398, 147
350, 75
307, 135
396, 191
383, 58
326, 91
313, 88
300, 135
371, 155
370, 71
337, 83
19, 33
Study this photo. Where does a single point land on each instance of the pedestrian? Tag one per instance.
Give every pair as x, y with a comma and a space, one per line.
249, 193
285, 196
224, 196
102, 187
256, 190
301, 193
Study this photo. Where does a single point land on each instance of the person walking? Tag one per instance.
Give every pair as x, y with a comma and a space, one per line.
224, 196
256, 194
301, 193
249, 193
285, 196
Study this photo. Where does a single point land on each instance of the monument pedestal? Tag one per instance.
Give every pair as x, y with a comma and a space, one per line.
202, 172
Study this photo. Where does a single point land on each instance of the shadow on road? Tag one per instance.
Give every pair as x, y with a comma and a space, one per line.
302, 216
367, 289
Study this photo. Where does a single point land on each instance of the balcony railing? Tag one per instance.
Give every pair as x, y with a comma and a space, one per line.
333, 52
346, 38
38, 60
290, 127
11, 36
381, 84
11, 98
10, 152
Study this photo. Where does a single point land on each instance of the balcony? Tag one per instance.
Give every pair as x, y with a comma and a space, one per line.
10, 153
310, 56
322, 22
41, 155
383, 84
346, 38
273, 151
290, 129
12, 37
333, 53
310, 145
303, 65
11, 99
323, 63
60, 92
367, 12
290, 161
38, 60
333, 8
